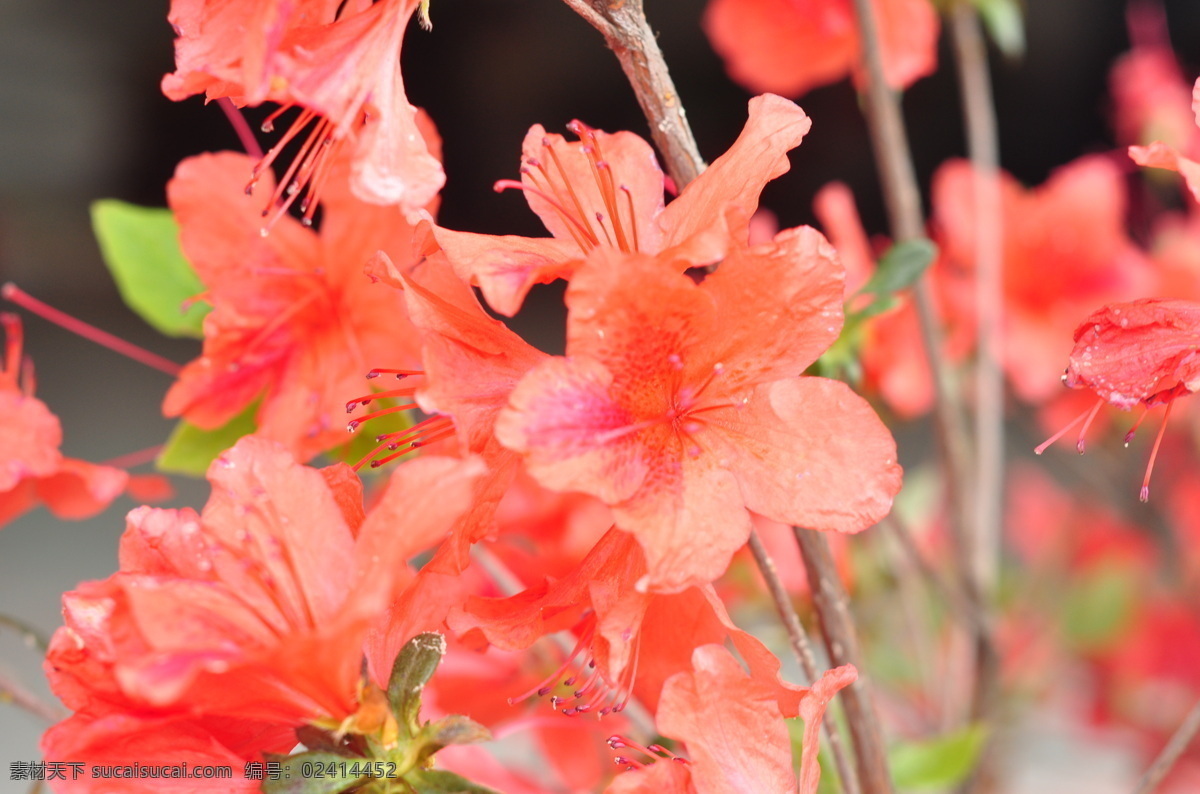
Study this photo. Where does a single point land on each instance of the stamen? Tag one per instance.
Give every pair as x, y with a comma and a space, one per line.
549, 682
562, 174
1081, 444
632, 216
367, 399
1145, 494
654, 752
268, 124
1136, 425
1040, 448
399, 373
512, 184
585, 243
11, 292
353, 424
429, 426
299, 173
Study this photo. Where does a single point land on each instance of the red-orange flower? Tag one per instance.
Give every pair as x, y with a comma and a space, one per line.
733, 732
679, 404
606, 191
1065, 251
339, 62
32, 470
791, 46
629, 641
295, 321
1140, 353
257, 608
471, 364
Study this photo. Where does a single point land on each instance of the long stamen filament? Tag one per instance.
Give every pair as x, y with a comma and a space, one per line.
11, 292
1145, 493
1081, 444
1040, 448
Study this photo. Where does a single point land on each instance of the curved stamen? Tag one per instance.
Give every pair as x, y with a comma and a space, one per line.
512, 184
549, 682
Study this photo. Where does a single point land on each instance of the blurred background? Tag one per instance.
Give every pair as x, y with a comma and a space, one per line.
83, 119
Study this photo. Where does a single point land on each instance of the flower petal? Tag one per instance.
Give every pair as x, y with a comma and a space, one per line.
697, 220
812, 453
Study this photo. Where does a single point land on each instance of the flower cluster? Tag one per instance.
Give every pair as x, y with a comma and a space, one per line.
435, 557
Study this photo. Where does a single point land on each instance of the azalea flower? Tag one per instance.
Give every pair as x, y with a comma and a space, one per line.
32, 469
684, 429
257, 608
1065, 251
470, 364
606, 191
733, 730
339, 63
1139, 353
295, 321
791, 46
629, 642
116, 738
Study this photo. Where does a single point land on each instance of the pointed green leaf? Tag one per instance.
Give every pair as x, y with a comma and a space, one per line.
190, 450
1004, 24
140, 245
439, 781
898, 269
313, 773
939, 763
414, 666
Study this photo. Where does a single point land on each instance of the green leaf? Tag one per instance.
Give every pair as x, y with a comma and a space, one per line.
190, 450
363, 441
939, 763
140, 245
1003, 21
312, 773
898, 269
439, 781
1099, 607
414, 666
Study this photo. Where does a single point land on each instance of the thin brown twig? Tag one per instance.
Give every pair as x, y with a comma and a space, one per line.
983, 147
14, 693
627, 33
841, 641
1178, 742
906, 219
802, 648
29, 634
